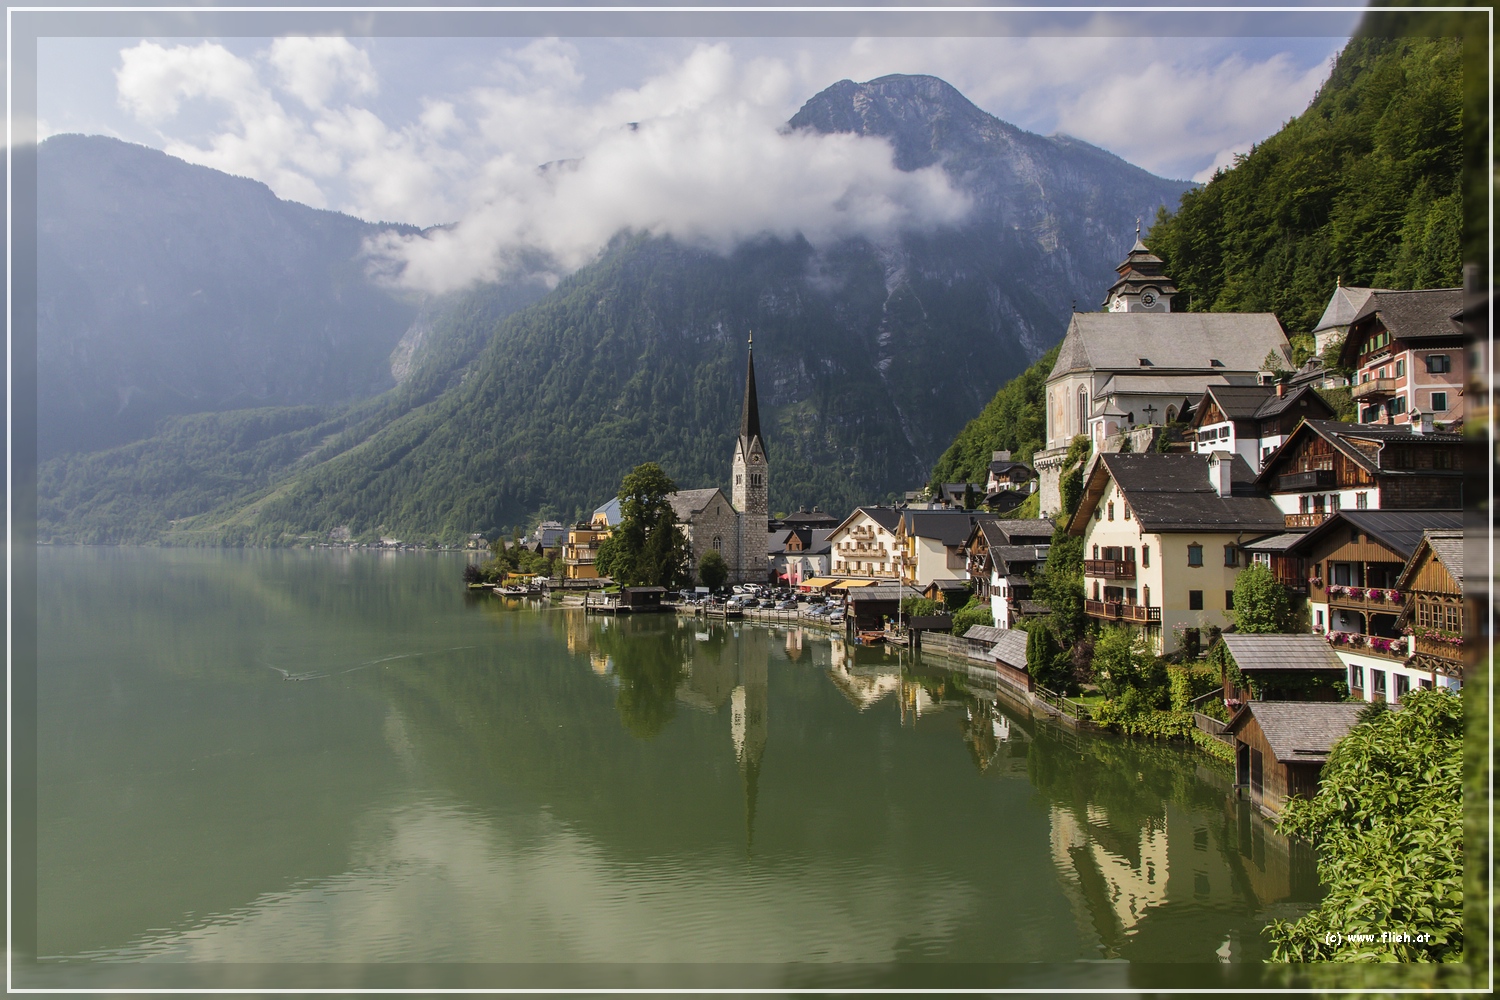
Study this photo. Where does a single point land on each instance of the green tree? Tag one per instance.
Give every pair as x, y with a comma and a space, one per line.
974, 613
712, 569
1260, 603
1387, 822
647, 548
1123, 664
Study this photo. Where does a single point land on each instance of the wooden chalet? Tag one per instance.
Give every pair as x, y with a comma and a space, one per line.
1279, 667
1281, 747
1433, 582
1326, 466
1252, 420
1355, 562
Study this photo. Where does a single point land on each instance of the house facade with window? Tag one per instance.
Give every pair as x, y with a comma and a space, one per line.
1433, 582
930, 544
1252, 421
1138, 364
1281, 747
1326, 466
863, 545
1002, 554
1407, 352
1163, 541
1355, 561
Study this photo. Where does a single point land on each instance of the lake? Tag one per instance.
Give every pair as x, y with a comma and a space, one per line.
294, 768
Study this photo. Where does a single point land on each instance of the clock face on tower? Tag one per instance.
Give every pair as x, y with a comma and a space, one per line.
1148, 298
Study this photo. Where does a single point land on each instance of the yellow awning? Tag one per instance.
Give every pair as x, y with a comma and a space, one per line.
819, 581
845, 584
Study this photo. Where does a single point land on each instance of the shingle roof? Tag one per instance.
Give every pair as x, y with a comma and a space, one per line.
1026, 527
1275, 543
1191, 341
1408, 314
1172, 492
1343, 306
1160, 385
1019, 555
1033, 608
1010, 648
1346, 438
983, 633
1447, 546
1300, 731
776, 541
1281, 652
950, 527
1398, 530
686, 503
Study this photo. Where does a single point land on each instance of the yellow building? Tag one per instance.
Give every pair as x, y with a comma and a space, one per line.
1162, 537
581, 549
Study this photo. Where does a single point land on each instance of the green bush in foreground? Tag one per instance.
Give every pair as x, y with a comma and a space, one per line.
1387, 821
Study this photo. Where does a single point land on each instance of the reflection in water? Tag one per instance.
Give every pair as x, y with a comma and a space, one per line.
530, 785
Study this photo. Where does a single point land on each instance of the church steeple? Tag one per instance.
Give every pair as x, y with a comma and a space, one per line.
752, 485
1143, 285
750, 414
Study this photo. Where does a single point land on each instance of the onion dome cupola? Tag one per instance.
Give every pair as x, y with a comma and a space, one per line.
1143, 285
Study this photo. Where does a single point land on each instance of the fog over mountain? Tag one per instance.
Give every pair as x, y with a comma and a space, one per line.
871, 351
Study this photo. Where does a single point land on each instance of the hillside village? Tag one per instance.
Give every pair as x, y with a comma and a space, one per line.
1183, 452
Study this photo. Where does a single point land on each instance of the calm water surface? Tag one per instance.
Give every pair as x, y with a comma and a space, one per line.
311, 757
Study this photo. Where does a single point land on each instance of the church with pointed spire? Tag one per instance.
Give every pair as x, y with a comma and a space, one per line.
737, 526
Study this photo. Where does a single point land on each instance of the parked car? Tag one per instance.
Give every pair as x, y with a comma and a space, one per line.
786, 605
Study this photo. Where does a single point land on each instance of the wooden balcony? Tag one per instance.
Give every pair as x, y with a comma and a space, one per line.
1431, 646
1311, 520
1364, 603
1109, 569
1376, 388
1313, 479
1296, 584
1120, 611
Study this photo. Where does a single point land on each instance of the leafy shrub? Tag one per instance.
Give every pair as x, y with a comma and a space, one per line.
1387, 822
974, 614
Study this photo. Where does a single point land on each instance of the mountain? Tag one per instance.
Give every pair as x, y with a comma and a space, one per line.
167, 288
869, 357
1364, 186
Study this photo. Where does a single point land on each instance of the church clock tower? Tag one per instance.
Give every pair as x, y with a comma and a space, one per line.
752, 484
1143, 285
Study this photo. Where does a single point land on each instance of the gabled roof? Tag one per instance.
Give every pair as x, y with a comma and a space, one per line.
1172, 492
815, 518
1426, 312
1277, 651
1446, 546
1361, 443
1259, 402
1000, 467
1010, 647
1009, 557
1343, 306
886, 517
1300, 731
1169, 341
1400, 531
776, 541
686, 503
611, 511
950, 527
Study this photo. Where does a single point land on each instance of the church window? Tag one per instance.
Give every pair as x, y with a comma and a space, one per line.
718, 543
1083, 408
738, 480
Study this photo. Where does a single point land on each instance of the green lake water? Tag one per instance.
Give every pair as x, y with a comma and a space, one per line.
327, 768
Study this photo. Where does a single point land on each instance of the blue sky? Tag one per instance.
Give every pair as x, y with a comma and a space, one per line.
431, 130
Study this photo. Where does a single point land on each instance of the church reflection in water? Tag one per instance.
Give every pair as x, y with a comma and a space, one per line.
1143, 840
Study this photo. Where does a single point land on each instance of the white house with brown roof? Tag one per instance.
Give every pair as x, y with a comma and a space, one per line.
1252, 421
1162, 538
864, 545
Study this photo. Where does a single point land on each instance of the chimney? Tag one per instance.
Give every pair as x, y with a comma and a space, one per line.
1421, 423
1280, 389
1000, 456
1219, 465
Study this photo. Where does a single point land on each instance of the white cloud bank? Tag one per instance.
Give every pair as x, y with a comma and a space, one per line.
695, 151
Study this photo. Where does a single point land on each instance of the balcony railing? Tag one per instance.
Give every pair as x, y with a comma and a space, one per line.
1434, 646
1314, 479
1376, 600
1109, 569
1310, 520
1376, 388
1296, 584
1120, 611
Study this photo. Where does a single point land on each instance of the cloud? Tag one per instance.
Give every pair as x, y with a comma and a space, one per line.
532, 167
313, 69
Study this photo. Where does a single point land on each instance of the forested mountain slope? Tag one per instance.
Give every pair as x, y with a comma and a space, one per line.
1363, 187
870, 357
